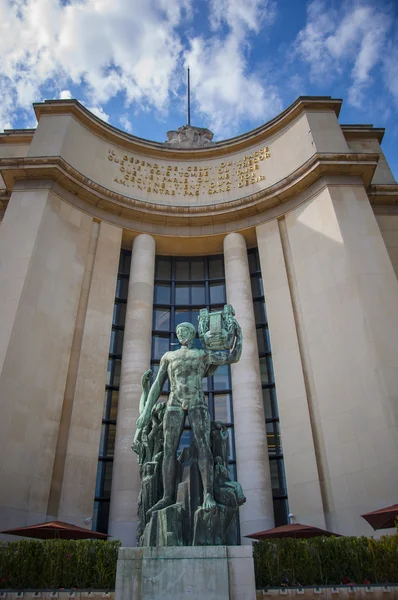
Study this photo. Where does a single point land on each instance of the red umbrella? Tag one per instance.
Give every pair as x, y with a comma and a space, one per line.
56, 530
294, 530
384, 518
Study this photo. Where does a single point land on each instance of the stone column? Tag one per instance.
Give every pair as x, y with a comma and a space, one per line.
135, 361
81, 458
346, 293
252, 461
291, 379
43, 249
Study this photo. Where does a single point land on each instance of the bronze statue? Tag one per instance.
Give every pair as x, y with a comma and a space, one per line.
160, 425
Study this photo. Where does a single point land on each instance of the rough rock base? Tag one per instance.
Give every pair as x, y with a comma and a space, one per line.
177, 573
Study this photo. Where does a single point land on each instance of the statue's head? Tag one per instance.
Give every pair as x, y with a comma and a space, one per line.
186, 332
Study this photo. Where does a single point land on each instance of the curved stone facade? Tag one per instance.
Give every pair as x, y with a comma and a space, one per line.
315, 197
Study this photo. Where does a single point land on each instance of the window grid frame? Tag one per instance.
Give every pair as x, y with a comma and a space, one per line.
102, 499
277, 457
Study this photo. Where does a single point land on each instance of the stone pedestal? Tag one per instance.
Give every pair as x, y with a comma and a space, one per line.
176, 573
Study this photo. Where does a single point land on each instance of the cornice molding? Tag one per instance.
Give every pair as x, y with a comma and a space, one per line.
158, 150
354, 132
17, 136
386, 193
56, 168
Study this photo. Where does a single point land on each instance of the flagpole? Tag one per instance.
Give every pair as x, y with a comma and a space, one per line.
189, 99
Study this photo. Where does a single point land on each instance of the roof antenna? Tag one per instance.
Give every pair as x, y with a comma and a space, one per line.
189, 98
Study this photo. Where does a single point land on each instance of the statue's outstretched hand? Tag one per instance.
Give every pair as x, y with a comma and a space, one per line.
146, 381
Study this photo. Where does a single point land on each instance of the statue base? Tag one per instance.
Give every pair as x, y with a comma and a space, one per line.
180, 572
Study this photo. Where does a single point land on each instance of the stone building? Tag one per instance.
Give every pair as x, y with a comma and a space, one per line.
107, 241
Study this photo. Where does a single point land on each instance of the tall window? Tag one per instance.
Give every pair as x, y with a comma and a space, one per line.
107, 444
182, 287
275, 451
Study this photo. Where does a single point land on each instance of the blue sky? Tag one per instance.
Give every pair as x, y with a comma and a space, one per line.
250, 59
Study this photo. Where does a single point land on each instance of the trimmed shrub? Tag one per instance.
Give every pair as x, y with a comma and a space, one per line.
54, 564
326, 561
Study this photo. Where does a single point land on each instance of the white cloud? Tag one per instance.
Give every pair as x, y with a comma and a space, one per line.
126, 123
99, 112
390, 69
226, 92
248, 15
350, 39
124, 46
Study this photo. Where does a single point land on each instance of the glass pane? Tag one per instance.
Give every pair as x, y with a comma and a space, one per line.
107, 441
197, 269
194, 317
231, 453
110, 448
122, 288
182, 294
110, 404
163, 268
119, 313
109, 372
160, 346
116, 372
182, 270
221, 378
274, 438
217, 293
266, 370
114, 399
232, 472
253, 262
182, 316
270, 404
257, 286
161, 319
107, 479
95, 515
162, 293
262, 346
185, 440
116, 345
216, 267
106, 402
102, 440
124, 263
222, 408
98, 482
280, 511
198, 294
205, 384
267, 339
274, 476
259, 312
277, 477
103, 516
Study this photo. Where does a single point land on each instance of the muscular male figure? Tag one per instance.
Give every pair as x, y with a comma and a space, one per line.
185, 369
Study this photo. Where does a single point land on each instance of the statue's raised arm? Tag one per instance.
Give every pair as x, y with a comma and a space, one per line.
221, 335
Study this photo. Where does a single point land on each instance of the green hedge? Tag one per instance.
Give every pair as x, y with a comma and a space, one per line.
53, 564
326, 561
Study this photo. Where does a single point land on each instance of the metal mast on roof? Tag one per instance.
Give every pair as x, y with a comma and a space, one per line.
189, 99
